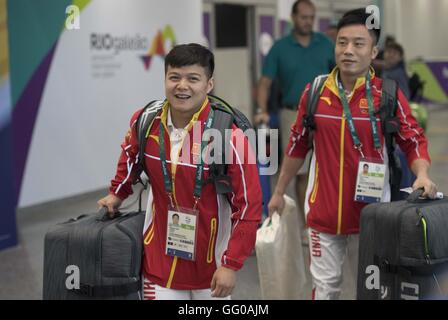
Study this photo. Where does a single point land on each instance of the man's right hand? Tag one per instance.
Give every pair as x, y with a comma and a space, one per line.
262, 117
111, 202
276, 204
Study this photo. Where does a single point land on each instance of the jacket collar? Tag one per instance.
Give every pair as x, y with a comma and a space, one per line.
198, 115
332, 82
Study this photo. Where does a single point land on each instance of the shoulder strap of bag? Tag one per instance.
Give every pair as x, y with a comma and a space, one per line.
223, 119
390, 125
144, 122
225, 115
239, 118
313, 98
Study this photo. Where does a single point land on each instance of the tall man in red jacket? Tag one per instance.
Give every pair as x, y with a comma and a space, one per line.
216, 232
347, 137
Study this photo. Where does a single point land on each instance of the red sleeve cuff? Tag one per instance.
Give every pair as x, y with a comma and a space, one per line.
295, 148
121, 194
231, 263
413, 158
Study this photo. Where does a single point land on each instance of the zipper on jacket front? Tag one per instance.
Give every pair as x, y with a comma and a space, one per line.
211, 241
316, 185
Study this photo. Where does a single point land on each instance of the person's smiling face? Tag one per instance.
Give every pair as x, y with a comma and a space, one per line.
187, 87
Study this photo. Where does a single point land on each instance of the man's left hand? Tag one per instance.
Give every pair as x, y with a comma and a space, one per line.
223, 282
429, 186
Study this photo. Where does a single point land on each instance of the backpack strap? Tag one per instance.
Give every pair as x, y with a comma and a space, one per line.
224, 117
222, 120
239, 118
390, 125
313, 98
143, 125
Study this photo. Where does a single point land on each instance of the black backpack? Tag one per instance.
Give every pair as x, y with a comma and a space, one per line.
224, 117
390, 125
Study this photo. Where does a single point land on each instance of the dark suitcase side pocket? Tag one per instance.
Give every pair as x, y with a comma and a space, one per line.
435, 222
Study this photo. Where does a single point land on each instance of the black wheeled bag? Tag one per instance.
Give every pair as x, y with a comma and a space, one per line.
403, 250
94, 257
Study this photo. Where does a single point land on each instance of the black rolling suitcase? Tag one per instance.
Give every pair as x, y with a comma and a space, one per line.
94, 257
403, 250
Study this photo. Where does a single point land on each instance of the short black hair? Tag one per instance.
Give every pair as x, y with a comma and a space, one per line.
389, 39
395, 46
295, 6
175, 215
190, 54
359, 16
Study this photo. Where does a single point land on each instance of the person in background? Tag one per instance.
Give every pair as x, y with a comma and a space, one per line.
345, 138
294, 60
378, 63
394, 67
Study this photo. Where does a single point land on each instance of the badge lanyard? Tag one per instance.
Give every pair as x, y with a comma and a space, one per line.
351, 123
199, 167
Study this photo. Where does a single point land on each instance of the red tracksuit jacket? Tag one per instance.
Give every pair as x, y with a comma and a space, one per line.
227, 225
330, 205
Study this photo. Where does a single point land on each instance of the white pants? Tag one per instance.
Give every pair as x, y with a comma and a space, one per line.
327, 254
152, 291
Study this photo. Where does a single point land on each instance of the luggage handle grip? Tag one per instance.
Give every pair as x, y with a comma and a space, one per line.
76, 219
415, 195
105, 215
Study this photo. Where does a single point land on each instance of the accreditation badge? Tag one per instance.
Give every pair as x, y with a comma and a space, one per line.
370, 180
181, 233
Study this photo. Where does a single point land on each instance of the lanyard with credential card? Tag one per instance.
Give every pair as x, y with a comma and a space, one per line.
371, 173
351, 123
199, 167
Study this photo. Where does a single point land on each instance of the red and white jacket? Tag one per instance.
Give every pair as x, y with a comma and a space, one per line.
330, 206
227, 224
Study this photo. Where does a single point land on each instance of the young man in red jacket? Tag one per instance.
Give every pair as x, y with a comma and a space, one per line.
347, 137
198, 258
